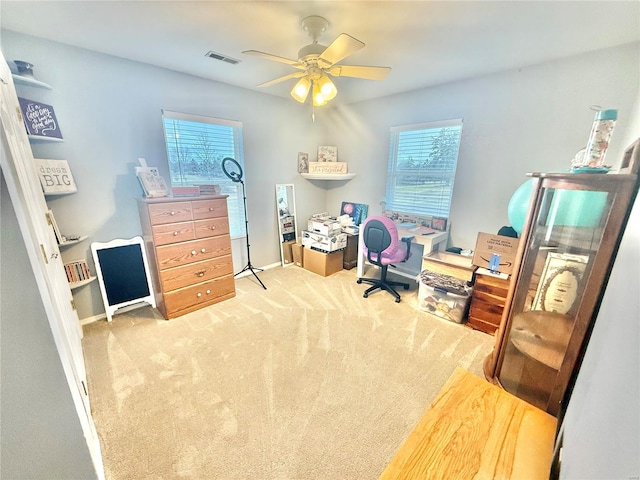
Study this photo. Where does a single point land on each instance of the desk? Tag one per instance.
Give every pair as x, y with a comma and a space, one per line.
420, 245
475, 430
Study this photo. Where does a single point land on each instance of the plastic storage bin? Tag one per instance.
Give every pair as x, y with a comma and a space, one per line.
444, 296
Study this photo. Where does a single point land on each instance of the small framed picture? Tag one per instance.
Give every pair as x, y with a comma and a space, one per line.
303, 162
327, 153
439, 223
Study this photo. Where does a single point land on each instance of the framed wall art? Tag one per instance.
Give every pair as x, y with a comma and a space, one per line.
327, 153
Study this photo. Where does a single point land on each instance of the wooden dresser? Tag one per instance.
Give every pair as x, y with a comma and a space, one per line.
487, 302
189, 250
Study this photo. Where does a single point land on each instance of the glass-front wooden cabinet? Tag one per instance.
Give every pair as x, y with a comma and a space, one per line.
567, 248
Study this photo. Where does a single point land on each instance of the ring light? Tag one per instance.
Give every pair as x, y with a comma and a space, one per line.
232, 169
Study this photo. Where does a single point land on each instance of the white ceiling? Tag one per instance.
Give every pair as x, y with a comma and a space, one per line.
424, 42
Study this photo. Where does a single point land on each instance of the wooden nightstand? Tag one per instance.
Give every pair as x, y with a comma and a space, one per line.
487, 302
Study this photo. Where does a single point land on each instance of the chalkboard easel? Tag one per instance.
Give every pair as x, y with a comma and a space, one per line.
123, 273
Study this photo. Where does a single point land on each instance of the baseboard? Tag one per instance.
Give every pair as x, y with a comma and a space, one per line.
103, 316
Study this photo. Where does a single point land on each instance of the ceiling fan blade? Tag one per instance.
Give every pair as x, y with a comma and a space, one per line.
275, 58
356, 71
282, 79
340, 48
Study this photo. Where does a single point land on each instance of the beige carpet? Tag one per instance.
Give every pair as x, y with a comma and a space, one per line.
306, 380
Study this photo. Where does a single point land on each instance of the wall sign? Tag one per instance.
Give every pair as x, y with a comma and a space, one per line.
40, 119
55, 176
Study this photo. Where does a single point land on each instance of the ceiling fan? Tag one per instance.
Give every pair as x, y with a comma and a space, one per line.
317, 62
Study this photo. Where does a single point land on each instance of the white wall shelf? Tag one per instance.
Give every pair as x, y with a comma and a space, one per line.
82, 283
72, 242
30, 82
328, 176
41, 139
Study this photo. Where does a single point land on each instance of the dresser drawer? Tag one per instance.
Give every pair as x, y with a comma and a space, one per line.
196, 250
173, 232
200, 294
209, 208
211, 227
170, 212
179, 277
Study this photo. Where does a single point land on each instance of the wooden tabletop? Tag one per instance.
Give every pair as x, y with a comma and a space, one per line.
476, 430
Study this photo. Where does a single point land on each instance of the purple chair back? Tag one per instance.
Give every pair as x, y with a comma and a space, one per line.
381, 243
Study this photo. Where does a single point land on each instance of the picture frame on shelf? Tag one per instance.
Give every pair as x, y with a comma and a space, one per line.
39, 119
327, 153
357, 211
152, 182
439, 223
560, 283
303, 162
55, 176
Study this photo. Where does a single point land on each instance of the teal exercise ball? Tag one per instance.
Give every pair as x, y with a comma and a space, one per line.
519, 205
574, 208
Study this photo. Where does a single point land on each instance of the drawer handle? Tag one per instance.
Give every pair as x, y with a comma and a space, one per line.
172, 212
175, 234
211, 209
203, 250
213, 227
200, 273
193, 252
208, 292
198, 295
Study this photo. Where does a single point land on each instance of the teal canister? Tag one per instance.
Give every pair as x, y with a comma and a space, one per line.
601, 130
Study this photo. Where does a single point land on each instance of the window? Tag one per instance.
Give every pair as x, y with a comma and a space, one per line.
422, 167
196, 146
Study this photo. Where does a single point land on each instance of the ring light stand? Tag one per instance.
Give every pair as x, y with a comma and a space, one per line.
233, 170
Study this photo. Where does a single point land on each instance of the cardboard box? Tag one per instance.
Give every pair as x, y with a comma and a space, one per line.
322, 263
453, 264
330, 228
287, 253
323, 242
488, 244
298, 254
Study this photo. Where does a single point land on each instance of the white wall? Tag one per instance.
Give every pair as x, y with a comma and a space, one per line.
531, 119
602, 421
535, 118
109, 114
40, 433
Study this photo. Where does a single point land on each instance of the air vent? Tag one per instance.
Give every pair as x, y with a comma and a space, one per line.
222, 58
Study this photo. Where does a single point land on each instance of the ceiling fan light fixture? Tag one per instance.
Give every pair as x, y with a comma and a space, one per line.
327, 87
301, 89
318, 98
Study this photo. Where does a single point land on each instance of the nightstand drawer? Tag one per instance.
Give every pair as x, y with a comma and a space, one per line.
200, 294
169, 212
179, 277
197, 250
173, 232
211, 227
209, 208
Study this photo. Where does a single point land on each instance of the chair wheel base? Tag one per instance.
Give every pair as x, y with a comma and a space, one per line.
359, 281
406, 287
397, 300
365, 295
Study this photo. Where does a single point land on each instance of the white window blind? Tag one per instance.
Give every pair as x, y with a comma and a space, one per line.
196, 146
422, 167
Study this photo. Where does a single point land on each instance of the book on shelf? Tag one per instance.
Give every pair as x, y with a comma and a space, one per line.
77, 271
193, 191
